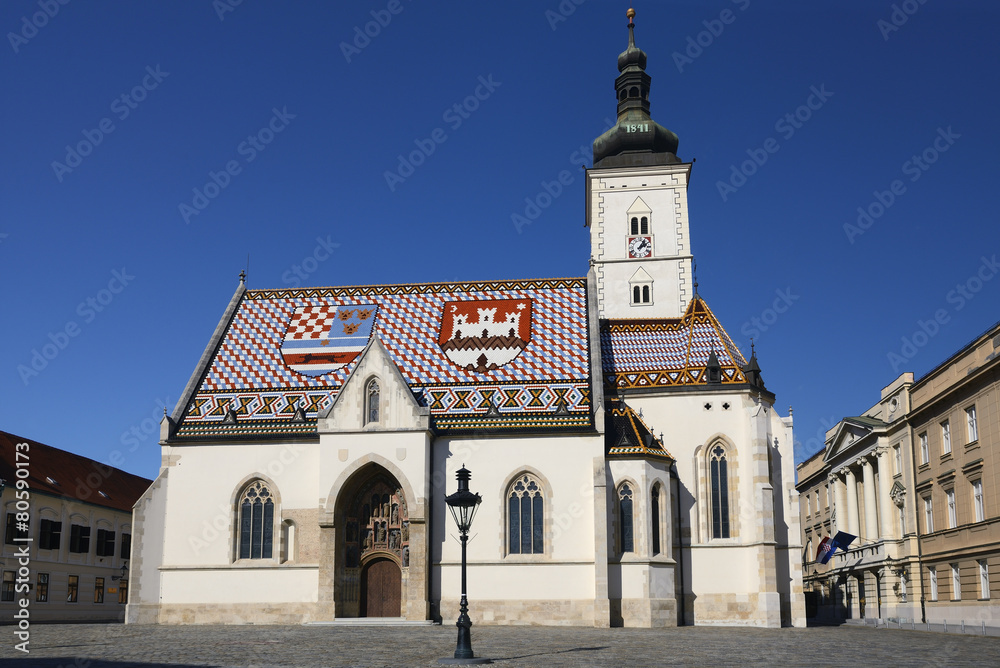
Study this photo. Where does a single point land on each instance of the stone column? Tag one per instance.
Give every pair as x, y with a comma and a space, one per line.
871, 507
885, 505
853, 522
831, 497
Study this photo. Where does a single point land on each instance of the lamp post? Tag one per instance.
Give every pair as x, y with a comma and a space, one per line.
463, 505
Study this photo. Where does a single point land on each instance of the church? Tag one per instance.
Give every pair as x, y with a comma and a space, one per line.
632, 466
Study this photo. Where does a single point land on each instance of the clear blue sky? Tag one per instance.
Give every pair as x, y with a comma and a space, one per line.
99, 244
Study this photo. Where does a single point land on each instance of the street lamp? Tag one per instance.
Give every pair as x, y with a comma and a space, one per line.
463, 505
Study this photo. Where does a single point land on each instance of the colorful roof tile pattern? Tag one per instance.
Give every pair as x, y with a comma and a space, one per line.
627, 435
516, 351
668, 352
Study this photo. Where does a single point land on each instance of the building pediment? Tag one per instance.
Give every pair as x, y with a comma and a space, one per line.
853, 434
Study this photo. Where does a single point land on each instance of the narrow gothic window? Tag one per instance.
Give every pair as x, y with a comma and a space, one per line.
644, 226
645, 294
720, 493
627, 540
655, 508
636, 295
256, 521
525, 517
635, 225
372, 402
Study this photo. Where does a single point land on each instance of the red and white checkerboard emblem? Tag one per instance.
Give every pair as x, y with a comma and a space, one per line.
321, 339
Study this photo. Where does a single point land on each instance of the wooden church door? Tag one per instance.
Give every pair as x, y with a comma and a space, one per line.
381, 585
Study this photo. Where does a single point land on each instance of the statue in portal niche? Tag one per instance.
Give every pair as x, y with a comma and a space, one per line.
406, 531
394, 539
395, 513
406, 556
367, 540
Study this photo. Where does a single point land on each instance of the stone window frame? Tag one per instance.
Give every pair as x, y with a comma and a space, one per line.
702, 456
928, 512
547, 513
945, 437
978, 500
637, 519
983, 568
951, 504
925, 456
932, 582
956, 581
373, 382
234, 531
659, 494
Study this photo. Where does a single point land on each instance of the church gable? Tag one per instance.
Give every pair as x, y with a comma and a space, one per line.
515, 352
374, 397
669, 352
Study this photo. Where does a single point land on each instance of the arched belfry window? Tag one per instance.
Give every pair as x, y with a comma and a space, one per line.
256, 512
626, 534
525, 516
372, 401
644, 225
635, 225
719, 471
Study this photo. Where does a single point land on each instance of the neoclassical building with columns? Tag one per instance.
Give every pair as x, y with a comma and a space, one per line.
915, 478
632, 466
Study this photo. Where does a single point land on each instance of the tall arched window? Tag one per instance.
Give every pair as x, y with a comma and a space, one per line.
256, 506
635, 225
372, 402
654, 507
626, 540
525, 516
644, 226
720, 492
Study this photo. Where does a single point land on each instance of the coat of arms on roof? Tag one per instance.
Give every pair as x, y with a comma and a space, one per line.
484, 335
321, 339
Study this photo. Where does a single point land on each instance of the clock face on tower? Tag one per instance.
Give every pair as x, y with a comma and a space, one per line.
639, 247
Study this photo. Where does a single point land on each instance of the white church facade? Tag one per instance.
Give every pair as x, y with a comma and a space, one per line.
632, 466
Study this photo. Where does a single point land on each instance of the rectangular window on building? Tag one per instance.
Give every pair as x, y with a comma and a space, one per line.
897, 457
984, 579
977, 500
49, 533
79, 539
956, 584
932, 577
42, 588
12, 532
928, 515
98, 590
72, 588
808, 505
973, 428
123, 591
925, 455
126, 545
105, 543
7, 593
945, 437
902, 521
952, 512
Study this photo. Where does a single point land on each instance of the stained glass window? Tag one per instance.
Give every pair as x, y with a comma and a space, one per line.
256, 522
720, 493
525, 517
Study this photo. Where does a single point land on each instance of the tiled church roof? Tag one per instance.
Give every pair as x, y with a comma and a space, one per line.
627, 435
504, 354
670, 351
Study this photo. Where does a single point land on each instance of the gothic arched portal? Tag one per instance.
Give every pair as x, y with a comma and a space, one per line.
373, 546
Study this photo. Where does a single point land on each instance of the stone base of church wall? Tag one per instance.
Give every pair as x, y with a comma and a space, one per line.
645, 613
237, 613
142, 614
735, 610
526, 612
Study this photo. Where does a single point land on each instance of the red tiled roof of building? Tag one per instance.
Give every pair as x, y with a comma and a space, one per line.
60, 473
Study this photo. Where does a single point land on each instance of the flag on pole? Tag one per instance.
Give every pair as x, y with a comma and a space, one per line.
842, 540
825, 551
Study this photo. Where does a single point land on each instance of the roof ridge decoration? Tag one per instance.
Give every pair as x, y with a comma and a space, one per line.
630, 436
669, 352
416, 288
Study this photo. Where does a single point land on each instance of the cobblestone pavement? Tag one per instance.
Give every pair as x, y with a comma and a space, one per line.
107, 646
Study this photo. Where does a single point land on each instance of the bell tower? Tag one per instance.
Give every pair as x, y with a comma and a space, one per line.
640, 245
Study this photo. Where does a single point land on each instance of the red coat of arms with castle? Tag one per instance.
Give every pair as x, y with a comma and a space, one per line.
483, 335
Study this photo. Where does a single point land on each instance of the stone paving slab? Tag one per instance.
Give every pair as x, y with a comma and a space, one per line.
118, 646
